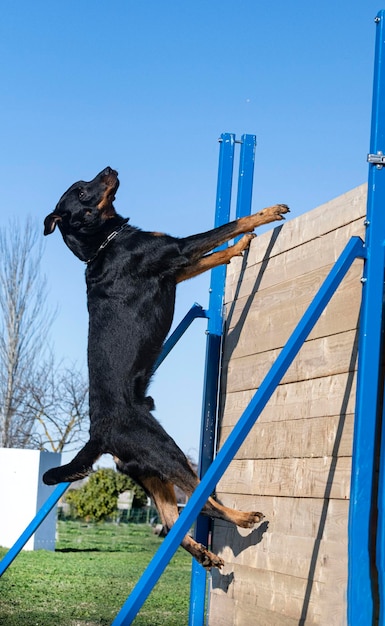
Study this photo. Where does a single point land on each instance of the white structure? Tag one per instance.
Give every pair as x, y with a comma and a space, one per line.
125, 501
22, 493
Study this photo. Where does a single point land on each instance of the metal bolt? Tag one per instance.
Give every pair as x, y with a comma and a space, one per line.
366, 222
376, 20
363, 280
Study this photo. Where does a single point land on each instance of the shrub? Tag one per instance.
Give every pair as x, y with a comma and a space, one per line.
97, 499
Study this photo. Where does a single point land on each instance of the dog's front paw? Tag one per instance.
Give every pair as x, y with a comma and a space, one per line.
243, 243
280, 210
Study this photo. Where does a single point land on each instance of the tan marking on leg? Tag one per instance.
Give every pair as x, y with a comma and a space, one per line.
212, 239
164, 498
240, 518
212, 508
221, 257
270, 214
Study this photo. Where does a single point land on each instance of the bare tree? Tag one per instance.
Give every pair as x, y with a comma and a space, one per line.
36, 399
59, 402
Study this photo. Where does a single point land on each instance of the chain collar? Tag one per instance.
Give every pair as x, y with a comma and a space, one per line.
105, 243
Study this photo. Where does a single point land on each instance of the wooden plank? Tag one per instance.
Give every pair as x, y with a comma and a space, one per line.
328, 395
331, 216
298, 520
309, 437
266, 320
311, 477
287, 595
317, 358
304, 287
300, 517
283, 553
221, 610
245, 278
228, 612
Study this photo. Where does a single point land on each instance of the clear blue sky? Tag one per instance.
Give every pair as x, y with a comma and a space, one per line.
147, 87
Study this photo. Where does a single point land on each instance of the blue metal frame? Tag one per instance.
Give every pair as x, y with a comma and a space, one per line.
212, 365
214, 337
246, 175
195, 312
369, 392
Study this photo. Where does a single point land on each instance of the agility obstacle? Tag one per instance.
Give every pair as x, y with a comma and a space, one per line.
364, 583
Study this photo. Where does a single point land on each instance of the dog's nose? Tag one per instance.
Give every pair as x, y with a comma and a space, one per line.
109, 172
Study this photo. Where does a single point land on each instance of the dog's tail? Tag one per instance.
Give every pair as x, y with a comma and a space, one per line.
79, 467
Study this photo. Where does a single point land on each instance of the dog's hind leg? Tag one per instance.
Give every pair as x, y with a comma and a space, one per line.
243, 519
163, 495
79, 467
212, 508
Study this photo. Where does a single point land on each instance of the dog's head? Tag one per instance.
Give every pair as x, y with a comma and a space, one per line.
83, 211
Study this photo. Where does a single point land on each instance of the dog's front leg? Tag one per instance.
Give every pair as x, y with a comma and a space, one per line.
216, 258
197, 245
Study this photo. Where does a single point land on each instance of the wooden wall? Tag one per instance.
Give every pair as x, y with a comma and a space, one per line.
295, 464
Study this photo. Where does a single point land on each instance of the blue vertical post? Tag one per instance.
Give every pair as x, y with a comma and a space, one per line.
377, 194
212, 365
361, 528
214, 336
246, 175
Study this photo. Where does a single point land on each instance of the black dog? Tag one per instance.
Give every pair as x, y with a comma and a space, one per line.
131, 281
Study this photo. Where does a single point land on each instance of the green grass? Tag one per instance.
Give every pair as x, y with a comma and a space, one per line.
88, 578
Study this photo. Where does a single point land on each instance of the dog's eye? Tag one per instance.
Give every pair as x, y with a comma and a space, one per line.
81, 194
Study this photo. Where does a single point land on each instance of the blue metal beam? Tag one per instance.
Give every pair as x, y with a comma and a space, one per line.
214, 336
369, 393
355, 248
195, 312
245, 175
212, 365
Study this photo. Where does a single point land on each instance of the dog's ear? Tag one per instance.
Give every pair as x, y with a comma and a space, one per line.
50, 223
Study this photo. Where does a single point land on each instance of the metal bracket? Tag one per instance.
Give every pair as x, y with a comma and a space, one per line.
377, 159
